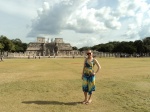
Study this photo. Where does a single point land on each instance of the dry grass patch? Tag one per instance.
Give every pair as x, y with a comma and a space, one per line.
54, 85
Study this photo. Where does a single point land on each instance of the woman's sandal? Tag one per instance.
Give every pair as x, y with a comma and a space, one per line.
88, 102
84, 102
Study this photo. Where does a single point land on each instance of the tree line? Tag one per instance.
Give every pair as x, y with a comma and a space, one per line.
131, 47
14, 45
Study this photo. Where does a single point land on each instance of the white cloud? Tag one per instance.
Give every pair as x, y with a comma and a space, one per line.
113, 24
139, 19
87, 20
84, 21
53, 20
88, 41
132, 31
46, 6
136, 11
73, 15
77, 17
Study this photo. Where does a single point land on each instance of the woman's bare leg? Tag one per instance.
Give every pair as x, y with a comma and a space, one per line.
89, 99
85, 95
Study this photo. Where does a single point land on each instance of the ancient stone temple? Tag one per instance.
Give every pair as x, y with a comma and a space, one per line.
45, 48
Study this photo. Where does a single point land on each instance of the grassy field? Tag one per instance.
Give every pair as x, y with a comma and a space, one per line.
54, 85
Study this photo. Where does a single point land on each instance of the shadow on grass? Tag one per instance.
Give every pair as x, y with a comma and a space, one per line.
50, 103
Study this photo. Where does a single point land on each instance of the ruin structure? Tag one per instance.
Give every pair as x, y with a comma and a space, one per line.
49, 48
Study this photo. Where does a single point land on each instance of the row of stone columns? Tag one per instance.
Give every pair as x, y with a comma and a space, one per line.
66, 53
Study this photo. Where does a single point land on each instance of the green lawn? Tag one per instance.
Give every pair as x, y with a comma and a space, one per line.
54, 85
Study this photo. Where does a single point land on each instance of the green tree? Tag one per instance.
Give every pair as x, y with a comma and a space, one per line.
105, 48
139, 46
7, 44
1, 47
24, 46
95, 47
84, 48
125, 47
109, 47
19, 46
147, 49
74, 48
146, 42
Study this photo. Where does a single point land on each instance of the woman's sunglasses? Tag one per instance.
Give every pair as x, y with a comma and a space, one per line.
88, 53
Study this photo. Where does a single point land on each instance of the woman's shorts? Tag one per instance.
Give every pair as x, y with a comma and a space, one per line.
88, 84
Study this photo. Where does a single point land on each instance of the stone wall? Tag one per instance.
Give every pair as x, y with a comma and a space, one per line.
73, 53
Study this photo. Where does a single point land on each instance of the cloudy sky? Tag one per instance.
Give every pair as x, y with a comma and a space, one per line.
79, 22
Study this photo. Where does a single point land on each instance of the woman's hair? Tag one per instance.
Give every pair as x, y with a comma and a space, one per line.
89, 50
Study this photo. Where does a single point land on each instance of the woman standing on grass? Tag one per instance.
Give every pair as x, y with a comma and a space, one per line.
88, 76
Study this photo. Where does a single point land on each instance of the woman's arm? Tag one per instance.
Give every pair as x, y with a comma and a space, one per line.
83, 68
98, 66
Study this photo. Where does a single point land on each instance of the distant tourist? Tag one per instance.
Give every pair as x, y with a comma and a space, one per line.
73, 57
28, 56
1, 58
49, 56
39, 56
88, 76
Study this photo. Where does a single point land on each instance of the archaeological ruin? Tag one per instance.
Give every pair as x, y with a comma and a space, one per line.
55, 47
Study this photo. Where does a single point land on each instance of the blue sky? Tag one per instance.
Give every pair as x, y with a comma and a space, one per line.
79, 22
